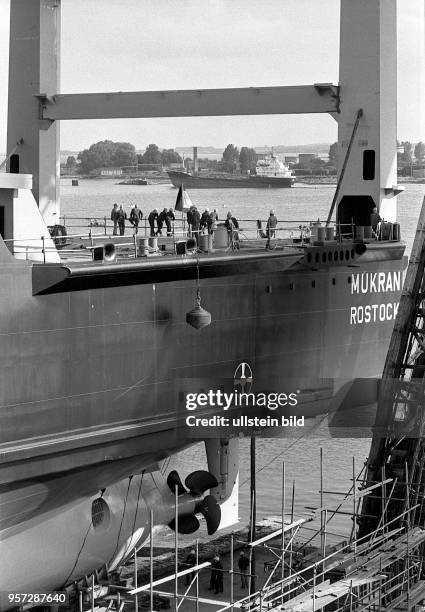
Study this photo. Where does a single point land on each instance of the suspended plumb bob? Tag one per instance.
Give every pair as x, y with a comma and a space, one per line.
198, 317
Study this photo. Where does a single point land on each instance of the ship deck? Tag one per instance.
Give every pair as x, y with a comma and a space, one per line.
89, 255
100, 265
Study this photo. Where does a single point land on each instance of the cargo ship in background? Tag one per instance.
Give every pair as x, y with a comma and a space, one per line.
96, 352
269, 172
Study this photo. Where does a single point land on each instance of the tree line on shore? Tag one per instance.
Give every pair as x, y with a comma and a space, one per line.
109, 154
409, 157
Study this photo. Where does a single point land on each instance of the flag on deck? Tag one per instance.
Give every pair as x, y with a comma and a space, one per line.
183, 201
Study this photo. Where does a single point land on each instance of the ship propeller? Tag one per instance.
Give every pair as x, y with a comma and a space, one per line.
174, 480
197, 482
200, 481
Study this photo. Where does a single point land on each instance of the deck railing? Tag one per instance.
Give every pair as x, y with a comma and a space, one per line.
77, 245
294, 228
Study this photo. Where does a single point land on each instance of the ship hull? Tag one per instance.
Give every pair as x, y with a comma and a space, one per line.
91, 372
251, 182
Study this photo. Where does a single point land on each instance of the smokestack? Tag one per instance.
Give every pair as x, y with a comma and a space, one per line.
195, 160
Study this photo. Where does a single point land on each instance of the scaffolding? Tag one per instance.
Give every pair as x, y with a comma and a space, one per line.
310, 565
398, 449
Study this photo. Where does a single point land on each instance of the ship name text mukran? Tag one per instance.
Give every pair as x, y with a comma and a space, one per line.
375, 282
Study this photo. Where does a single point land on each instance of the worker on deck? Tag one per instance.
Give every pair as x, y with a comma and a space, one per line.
136, 216
232, 225
189, 217
375, 221
212, 221
271, 228
170, 225
196, 221
122, 216
163, 220
153, 216
204, 219
114, 218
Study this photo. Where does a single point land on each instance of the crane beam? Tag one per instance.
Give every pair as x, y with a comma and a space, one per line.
318, 98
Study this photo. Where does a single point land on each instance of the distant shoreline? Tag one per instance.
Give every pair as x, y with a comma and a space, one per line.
307, 180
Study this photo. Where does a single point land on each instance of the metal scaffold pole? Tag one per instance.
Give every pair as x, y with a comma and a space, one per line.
252, 529
92, 593
151, 559
231, 571
197, 575
354, 502
322, 541
176, 549
136, 599
282, 566
292, 522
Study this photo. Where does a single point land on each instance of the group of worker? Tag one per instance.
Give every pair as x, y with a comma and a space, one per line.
155, 218
165, 217
119, 217
196, 222
217, 571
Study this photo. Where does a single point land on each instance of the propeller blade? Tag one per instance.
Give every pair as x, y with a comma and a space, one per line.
211, 510
187, 524
200, 481
174, 479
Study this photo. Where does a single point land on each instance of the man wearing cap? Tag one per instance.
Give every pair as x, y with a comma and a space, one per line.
163, 218
271, 228
232, 225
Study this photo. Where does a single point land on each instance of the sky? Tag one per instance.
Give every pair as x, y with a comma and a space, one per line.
142, 45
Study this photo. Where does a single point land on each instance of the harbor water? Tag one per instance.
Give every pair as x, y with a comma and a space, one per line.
95, 198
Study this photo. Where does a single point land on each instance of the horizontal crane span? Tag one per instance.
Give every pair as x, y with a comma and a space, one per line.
318, 98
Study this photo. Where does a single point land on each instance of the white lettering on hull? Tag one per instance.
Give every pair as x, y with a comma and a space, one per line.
373, 313
376, 282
